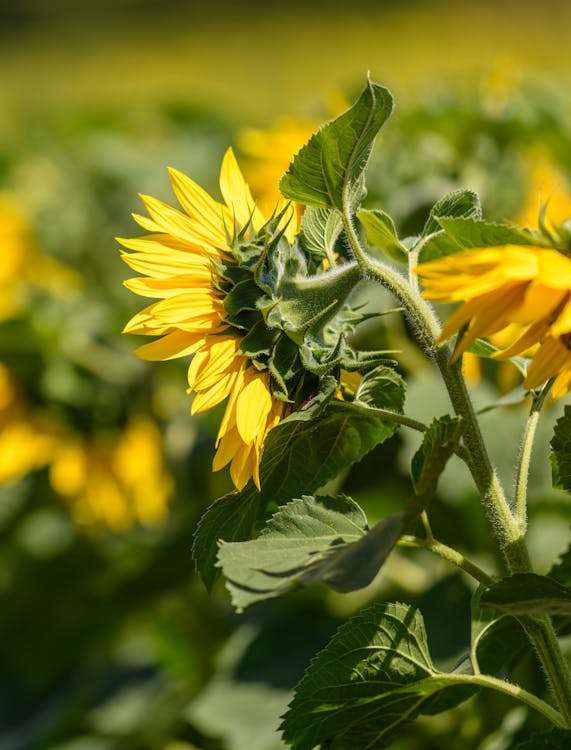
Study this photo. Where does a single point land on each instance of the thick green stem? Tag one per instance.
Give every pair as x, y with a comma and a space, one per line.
506, 527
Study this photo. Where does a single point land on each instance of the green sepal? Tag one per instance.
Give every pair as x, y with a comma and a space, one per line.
306, 304
244, 296
365, 361
381, 232
330, 166
284, 365
260, 340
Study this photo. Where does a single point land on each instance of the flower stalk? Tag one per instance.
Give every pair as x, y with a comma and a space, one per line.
507, 527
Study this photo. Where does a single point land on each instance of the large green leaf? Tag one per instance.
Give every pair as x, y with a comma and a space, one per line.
528, 594
329, 167
313, 539
561, 452
301, 454
373, 678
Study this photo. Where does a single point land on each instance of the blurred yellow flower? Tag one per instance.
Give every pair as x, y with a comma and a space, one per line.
548, 187
114, 483
268, 154
179, 260
500, 286
26, 443
21, 265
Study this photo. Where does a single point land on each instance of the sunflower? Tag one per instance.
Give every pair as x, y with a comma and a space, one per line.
499, 286
191, 261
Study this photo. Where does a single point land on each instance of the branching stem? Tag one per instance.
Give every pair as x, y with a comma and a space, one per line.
506, 526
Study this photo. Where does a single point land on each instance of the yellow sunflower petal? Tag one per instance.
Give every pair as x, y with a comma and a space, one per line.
236, 193
253, 407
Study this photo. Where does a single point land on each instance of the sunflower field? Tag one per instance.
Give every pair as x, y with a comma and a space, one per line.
318, 497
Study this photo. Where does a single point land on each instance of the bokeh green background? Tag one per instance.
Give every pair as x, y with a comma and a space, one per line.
107, 638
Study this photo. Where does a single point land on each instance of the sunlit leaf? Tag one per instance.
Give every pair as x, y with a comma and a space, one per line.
374, 677
300, 455
310, 540
329, 167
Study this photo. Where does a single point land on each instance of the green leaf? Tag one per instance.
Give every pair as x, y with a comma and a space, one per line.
463, 204
484, 349
561, 452
528, 594
329, 167
381, 232
314, 539
496, 639
561, 571
463, 233
438, 444
382, 388
556, 739
301, 454
370, 681
233, 516
320, 228
474, 232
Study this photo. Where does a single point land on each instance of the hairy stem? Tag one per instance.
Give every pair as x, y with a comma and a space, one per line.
506, 527
450, 555
514, 691
526, 447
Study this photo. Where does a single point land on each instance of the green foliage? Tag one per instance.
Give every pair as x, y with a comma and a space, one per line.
528, 594
375, 676
319, 230
463, 232
381, 232
328, 169
496, 640
459, 204
561, 452
556, 739
561, 571
311, 540
310, 447
438, 443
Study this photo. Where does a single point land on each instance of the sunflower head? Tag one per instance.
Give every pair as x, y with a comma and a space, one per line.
525, 287
237, 291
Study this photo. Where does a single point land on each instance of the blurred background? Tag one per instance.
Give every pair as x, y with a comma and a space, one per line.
107, 638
